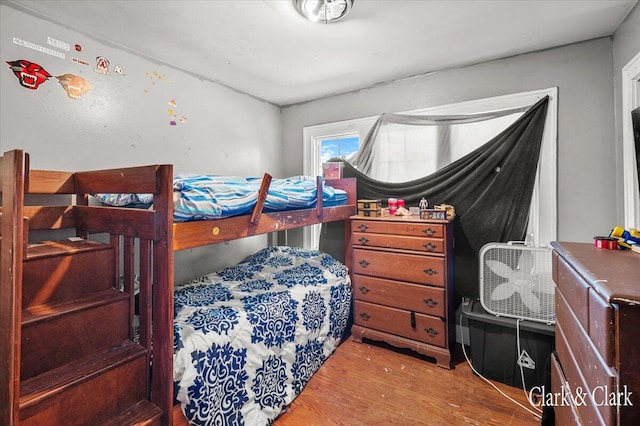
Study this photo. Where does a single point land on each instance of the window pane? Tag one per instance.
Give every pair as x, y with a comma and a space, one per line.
348, 146
341, 147
470, 136
329, 148
406, 152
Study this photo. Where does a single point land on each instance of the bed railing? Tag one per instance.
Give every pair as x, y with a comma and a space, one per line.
156, 257
143, 240
142, 245
13, 165
187, 235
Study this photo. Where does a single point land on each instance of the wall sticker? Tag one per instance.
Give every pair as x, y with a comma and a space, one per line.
180, 118
81, 62
57, 43
30, 74
102, 65
74, 85
155, 76
39, 48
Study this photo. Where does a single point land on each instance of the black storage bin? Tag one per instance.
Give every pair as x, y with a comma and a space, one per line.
494, 346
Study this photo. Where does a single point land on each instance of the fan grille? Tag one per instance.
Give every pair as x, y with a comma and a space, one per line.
516, 281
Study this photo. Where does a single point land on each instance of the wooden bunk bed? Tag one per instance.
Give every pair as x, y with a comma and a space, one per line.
97, 368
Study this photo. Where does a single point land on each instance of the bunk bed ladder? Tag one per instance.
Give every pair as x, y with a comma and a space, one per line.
67, 307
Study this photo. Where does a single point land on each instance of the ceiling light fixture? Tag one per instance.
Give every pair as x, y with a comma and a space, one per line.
323, 11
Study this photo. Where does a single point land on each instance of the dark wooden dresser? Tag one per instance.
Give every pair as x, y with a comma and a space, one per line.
402, 277
596, 374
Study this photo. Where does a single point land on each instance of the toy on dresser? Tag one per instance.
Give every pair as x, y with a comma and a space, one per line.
628, 239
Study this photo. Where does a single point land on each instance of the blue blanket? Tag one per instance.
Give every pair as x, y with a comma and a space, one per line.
214, 197
249, 337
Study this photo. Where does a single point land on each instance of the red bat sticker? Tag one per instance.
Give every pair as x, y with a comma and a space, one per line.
31, 75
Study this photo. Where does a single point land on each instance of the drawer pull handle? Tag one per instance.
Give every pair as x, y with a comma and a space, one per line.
431, 332
363, 240
365, 316
363, 227
430, 302
430, 271
364, 263
413, 319
429, 246
363, 289
429, 231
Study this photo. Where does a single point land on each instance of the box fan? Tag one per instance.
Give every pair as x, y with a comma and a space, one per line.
516, 281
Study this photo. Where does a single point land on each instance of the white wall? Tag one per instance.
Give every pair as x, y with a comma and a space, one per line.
124, 120
117, 123
583, 73
626, 45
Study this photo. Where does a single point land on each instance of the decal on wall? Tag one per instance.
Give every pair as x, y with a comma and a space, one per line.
175, 117
81, 62
118, 70
182, 119
78, 48
39, 48
102, 65
30, 74
57, 43
155, 76
74, 85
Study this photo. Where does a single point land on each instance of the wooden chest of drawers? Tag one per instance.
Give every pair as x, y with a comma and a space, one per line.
402, 275
597, 368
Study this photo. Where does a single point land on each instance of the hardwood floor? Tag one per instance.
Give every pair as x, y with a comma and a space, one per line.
370, 384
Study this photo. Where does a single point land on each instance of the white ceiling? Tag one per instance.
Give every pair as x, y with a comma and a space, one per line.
264, 48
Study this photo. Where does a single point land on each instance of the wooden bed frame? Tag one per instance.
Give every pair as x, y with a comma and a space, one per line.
137, 243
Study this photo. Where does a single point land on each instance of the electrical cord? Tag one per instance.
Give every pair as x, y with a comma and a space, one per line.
537, 415
524, 387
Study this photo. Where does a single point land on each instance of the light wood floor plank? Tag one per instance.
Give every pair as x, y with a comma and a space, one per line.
368, 384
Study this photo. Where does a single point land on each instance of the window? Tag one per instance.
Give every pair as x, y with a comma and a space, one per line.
543, 213
345, 131
338, 147
325, 147
405, 152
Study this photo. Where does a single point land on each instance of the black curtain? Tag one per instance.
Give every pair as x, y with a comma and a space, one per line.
490, 188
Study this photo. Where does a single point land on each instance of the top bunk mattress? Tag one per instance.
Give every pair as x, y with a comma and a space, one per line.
200, 197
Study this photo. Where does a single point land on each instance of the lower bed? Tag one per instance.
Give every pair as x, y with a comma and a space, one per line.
249, 337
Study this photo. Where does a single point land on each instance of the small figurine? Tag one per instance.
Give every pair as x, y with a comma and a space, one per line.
423, 204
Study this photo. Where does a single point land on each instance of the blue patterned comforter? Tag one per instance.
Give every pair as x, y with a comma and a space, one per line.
249, 337
199, 197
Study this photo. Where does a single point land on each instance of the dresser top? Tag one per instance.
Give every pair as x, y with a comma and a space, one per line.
412, 218
615, 274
